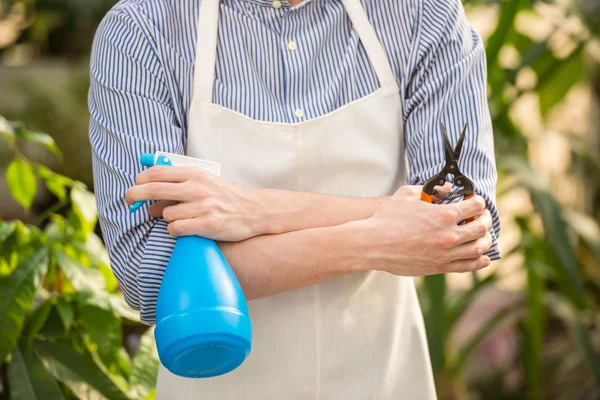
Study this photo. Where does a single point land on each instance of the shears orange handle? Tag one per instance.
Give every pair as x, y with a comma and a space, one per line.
450, 168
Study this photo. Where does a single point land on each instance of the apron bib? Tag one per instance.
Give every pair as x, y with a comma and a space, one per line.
360, 337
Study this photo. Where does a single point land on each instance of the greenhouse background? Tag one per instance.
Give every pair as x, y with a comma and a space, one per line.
525, 328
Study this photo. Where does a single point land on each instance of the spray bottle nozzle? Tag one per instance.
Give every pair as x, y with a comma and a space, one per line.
177, 160
147, 159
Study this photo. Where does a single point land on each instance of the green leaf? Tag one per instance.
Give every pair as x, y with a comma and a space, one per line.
6, 229
84, 214
8, 258
109, 277
19, 246
505, 26
151, 395
564, 263
145, 366
540, 58
17, 293
117, 302
109, 301
95, 248
556, 83
586, 227
104, 328
81, 277
43, 139
66, 312
59, 230
5, 267
54, 327
123, 363
29, 380
534, 325
56, 183
80, 371
37, 320
522, 43
21, 236
21, 182
85, 203
434, 314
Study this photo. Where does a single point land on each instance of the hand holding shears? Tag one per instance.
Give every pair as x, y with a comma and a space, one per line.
450, 168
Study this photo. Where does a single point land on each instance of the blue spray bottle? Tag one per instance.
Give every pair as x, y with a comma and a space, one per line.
202, 323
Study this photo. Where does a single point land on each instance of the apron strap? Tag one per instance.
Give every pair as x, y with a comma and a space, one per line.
371, 43
206, 47
206, 50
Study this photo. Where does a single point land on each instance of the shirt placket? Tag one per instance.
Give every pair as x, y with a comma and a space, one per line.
293, 58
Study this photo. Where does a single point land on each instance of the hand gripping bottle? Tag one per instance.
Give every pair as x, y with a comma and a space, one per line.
202, 323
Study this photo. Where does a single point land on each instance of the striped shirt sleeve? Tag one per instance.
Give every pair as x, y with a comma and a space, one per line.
130, 113
448, 85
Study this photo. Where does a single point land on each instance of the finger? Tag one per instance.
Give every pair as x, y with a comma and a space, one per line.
156, 209
472, 249
204, 227
182, 211
167, 174
159, 191
184, 227
446, 188
409, 192
473, 264
468, 208
476, 229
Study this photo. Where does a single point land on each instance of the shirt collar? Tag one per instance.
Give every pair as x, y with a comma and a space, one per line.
269, 3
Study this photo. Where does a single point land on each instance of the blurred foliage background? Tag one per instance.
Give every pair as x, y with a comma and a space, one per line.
525, 328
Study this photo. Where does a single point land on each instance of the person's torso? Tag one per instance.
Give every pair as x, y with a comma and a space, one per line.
354, 337
296, 103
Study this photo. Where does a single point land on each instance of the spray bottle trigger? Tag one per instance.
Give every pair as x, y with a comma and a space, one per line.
163, 160
147, 160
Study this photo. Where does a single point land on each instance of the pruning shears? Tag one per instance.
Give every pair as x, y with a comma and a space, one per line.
450, 168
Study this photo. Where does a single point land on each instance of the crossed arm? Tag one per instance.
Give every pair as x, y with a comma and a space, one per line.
278, 240
274, 240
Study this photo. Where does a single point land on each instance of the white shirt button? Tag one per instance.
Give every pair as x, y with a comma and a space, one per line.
276, 4
292, 46
299, 113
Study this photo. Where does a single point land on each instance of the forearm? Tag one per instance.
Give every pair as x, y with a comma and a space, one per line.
286, 211
273, 264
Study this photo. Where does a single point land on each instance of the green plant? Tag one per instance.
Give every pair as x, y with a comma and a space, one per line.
61, 314
559, 245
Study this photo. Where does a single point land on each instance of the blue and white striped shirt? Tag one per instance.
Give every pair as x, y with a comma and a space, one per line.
141, 79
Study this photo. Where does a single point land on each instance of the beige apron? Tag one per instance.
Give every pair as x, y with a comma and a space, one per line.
360, 337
